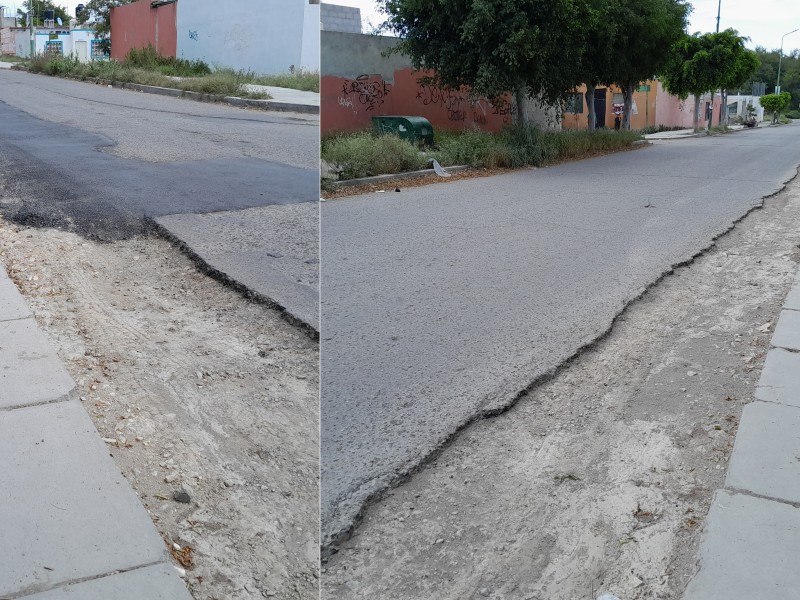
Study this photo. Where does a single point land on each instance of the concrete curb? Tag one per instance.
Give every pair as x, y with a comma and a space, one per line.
72, 525
216, 99
390, 177
272, 105
749, 547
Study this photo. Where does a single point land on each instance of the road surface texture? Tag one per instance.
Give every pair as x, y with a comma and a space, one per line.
102, 161
444, 303
599, 480
193, 387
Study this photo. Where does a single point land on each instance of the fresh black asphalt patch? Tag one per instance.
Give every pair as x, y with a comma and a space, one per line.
53, 175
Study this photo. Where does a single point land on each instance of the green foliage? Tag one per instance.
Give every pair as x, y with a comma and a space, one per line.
296, 79
39, 6
223, 82
776, 103
528, 47
645, 28
792, 114
150, 59
366, 154
790, 71
100, 12
518, 147
702, 62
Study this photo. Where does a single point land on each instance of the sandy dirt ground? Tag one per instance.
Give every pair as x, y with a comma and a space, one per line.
599, 480
195, 390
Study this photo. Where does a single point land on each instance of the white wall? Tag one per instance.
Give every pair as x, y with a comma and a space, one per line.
23, 43
265, 36
43, 38
310, 51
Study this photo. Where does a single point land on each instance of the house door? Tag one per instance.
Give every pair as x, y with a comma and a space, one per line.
600, 108
82, 50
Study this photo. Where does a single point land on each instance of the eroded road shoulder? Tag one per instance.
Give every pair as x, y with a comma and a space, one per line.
194, 389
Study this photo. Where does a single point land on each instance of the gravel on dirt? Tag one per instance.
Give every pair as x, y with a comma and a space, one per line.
207, 402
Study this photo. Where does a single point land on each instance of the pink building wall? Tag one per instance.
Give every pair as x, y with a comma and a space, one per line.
138, 24
672, 112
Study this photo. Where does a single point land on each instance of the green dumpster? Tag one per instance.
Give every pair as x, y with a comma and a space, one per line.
415, 129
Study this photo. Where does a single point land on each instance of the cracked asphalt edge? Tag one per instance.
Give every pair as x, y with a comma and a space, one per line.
374, 489
230, 282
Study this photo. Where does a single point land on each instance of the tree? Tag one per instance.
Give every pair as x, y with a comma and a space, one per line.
776, 103
644, 29
598, 58
701, 63
687, 71
739, 66
39, 6
790, 71
99, 13
530, 48
625, 44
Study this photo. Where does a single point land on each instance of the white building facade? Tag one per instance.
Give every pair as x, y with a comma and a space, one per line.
263, 36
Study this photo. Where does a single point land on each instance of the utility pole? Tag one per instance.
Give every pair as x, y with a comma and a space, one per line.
780, 59
30, 24
719, 7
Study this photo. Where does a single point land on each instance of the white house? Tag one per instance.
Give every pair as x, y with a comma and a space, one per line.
60, 40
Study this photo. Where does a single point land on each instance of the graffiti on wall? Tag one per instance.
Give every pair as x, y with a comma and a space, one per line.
368, 91
459, 105
504, 108
452, 101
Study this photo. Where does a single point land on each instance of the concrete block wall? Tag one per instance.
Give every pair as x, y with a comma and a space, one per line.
345, 19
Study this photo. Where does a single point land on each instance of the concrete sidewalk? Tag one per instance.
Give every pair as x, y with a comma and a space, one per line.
71, 525
751, 542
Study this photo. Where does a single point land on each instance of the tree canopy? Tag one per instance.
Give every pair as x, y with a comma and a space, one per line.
98, 12
529, 48
537, 48
702, 63
767, 72
776, 103
39, 6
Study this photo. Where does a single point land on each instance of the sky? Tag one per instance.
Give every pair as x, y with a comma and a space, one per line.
764, 21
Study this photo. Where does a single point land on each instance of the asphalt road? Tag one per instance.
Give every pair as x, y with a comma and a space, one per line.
444, 302
100, 161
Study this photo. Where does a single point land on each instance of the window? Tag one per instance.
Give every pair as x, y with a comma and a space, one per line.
618, 98
574, 104
97, 50
54, 47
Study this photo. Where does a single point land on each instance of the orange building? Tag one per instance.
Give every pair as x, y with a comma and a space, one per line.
652, 106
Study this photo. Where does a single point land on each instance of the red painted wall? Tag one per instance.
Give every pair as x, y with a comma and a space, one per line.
350, 104
138, 24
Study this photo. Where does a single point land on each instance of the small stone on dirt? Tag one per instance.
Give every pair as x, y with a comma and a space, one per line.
181, 496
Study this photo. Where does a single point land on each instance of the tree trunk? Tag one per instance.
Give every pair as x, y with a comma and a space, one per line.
521, 97
627, 98
723, 108
696, 119
589, 95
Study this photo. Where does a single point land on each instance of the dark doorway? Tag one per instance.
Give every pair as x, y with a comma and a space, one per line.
600, 108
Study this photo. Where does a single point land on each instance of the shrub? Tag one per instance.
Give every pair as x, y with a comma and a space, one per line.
793, 114
517, 147
365, 154
296, 79
150, 59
